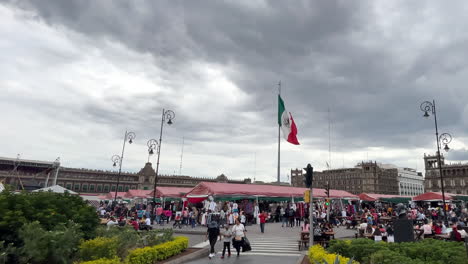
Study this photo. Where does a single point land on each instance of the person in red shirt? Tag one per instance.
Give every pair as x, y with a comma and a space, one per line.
437, 229
263, 216
135, 224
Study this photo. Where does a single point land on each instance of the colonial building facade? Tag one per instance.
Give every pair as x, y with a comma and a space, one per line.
368, 177
410, 182
455, 176
31, 174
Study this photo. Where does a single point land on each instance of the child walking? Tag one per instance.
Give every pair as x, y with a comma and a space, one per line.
227, 236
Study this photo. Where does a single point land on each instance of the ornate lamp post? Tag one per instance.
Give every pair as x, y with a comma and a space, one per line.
168, 115
152, 145
116, 159
445, 138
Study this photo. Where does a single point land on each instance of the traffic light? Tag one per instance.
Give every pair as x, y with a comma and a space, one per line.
327, 202
308, 175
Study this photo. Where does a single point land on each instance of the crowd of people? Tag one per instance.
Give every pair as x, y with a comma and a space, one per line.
370, 220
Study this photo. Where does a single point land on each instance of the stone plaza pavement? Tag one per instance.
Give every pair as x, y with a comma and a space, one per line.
276, 245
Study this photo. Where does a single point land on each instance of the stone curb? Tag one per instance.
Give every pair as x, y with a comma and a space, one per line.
191, 256
299, 261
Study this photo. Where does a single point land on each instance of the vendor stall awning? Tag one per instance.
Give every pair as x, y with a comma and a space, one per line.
172, 192
134, 194
433, 196
253, 190
391, 198
460, 197
111, 195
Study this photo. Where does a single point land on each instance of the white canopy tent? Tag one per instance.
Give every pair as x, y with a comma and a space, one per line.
55, 189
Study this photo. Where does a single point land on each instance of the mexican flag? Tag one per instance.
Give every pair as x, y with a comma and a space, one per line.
286, 122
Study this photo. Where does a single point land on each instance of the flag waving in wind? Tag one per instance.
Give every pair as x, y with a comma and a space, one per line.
286, 122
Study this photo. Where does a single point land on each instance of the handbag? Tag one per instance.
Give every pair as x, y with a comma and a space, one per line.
246, 246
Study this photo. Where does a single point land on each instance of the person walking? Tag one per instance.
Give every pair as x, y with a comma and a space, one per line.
243, 219
212, 235
263, 216
227, 236
291, 214
238, 231
284, 219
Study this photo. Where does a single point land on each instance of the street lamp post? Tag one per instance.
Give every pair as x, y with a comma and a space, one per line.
444, 139
168, 115
116, 159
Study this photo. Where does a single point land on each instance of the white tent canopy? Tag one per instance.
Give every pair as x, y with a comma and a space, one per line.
55, 189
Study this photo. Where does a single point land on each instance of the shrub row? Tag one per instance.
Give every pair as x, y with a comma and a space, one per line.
103, 261
150, 255
119, 241
317, 254
147, 255
428, 251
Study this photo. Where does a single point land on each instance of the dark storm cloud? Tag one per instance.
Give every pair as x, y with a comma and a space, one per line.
458, 154
328, 54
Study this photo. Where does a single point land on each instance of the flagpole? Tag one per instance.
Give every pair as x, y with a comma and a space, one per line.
279, 134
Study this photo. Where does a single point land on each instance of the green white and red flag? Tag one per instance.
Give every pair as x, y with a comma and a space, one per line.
286, 122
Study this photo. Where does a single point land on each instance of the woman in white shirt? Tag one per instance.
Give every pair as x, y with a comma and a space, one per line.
238, 231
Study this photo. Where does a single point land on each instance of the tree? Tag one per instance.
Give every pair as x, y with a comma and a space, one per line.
48, 209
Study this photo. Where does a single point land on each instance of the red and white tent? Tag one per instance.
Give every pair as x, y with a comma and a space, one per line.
111, 195
372, 197
434, 196
137, 194
205, 189
171, 192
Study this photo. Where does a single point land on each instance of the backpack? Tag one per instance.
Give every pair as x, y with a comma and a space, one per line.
291, 212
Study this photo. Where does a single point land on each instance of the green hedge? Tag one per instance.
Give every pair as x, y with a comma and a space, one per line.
98, 248
103, 261
428, 251
149, 255
128, 239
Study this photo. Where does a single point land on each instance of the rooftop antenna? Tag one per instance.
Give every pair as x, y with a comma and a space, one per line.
181, 156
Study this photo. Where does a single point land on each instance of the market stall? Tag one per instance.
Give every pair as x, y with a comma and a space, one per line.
228, 191
434, 196
137, 194
388, 198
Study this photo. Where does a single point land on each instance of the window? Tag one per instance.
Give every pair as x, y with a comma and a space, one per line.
99, 188
84, 187
145, 188
77, 187
91, 187
106, 188
120, 188
127, 188
69, 186
113, 188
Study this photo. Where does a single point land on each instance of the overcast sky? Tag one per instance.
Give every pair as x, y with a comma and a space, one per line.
74, 75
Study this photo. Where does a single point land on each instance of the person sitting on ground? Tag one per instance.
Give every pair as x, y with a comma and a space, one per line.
362, 227
369, 230
327, 227
462, 232
427, 227
382, 229
455, 235
377, 235
437, 228
111, 222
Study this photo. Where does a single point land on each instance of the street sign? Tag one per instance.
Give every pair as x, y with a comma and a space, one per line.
307, 196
